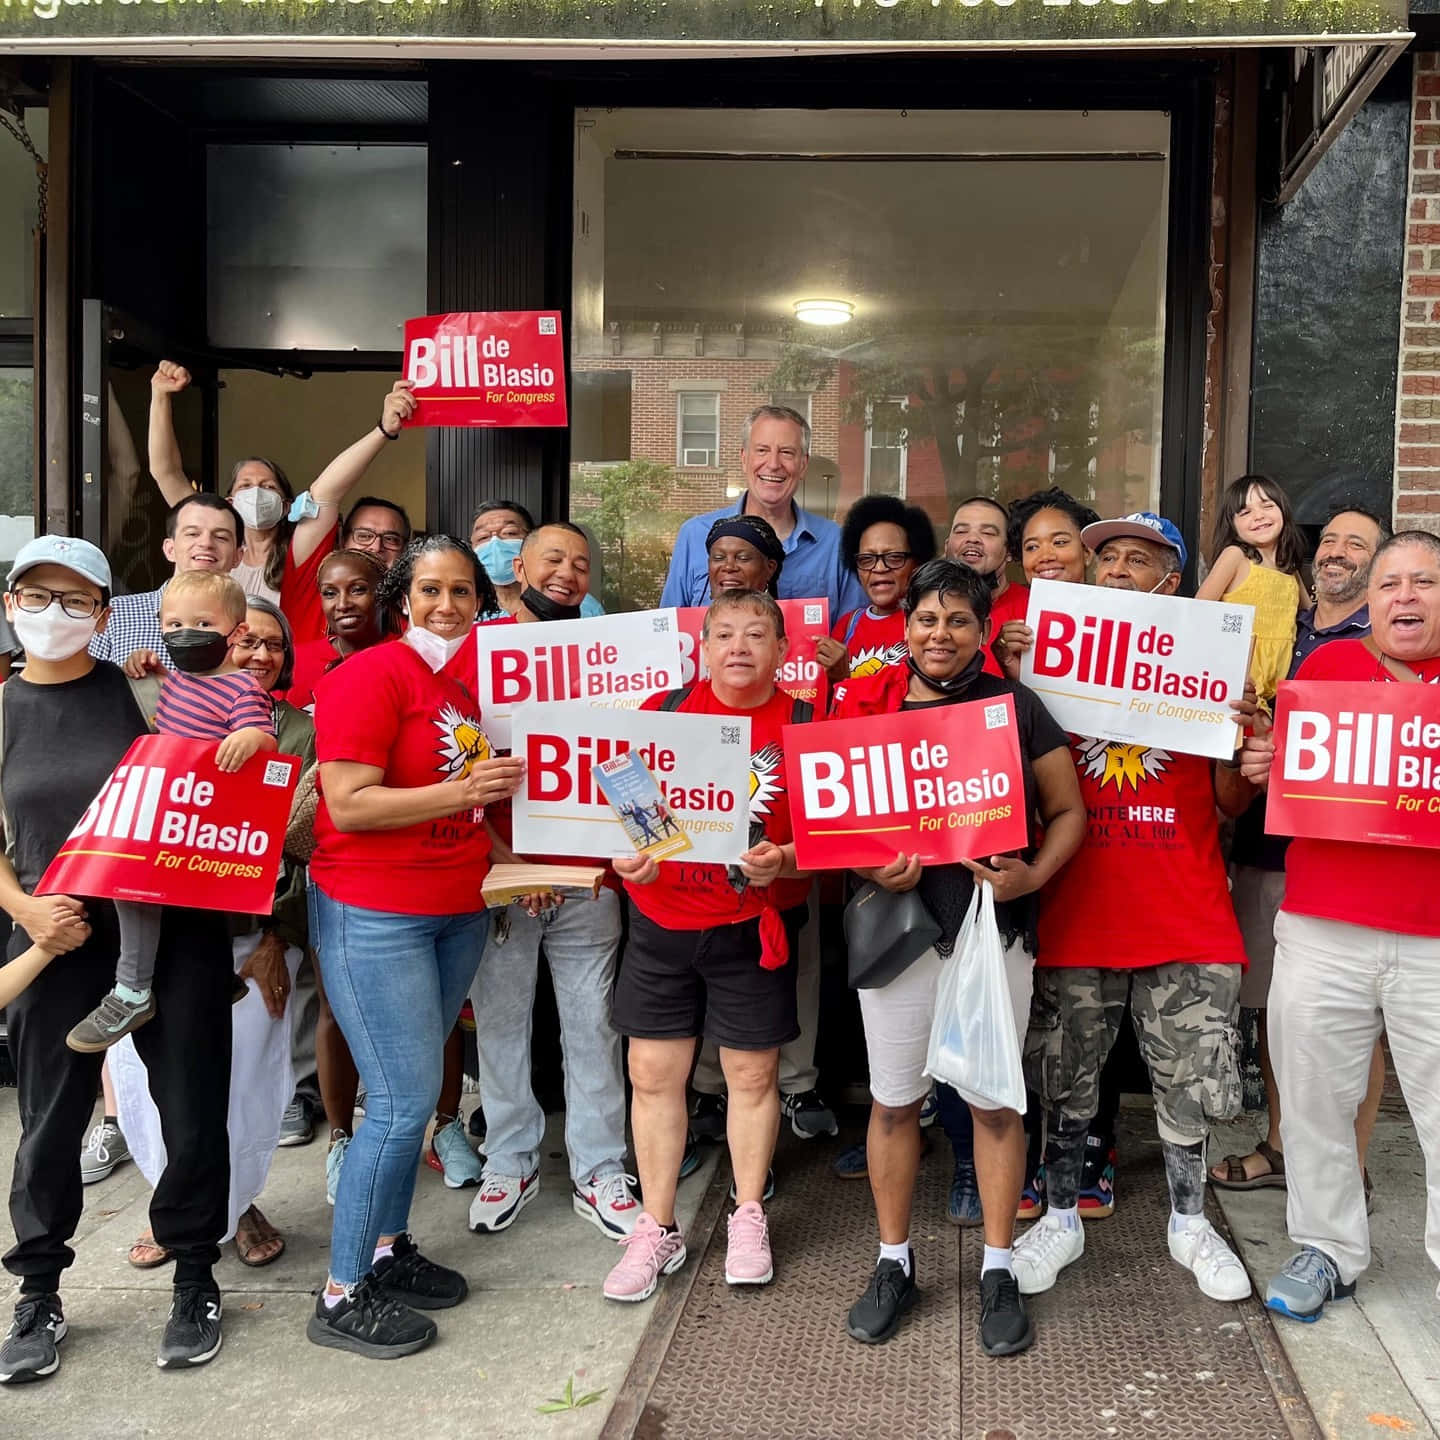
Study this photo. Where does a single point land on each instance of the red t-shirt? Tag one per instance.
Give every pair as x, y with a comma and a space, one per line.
1147, 885
873, 641
384, 707
1383, 887
313, 660
1011, 605
691, 896
300, 591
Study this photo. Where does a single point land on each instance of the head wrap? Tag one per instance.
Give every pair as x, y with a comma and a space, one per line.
754, 531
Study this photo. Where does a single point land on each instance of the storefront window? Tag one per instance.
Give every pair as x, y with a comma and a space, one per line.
17, 460
957, 301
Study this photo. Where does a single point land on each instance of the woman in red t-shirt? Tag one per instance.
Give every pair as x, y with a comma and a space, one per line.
401, 850
348, 581
884, 542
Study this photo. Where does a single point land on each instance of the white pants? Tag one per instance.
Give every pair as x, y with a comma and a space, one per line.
261, 1082
1335, 987
898, 1017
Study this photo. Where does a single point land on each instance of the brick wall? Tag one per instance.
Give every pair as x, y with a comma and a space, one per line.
1417, 429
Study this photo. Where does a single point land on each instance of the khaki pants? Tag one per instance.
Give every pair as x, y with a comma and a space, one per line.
1335, 987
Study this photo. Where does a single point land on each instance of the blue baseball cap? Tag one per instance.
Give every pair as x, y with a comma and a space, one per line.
1142, 525
81, 556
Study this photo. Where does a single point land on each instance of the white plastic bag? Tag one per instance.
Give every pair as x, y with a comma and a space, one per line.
972, 1038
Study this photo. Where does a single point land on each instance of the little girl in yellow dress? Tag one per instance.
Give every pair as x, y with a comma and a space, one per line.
1256, 561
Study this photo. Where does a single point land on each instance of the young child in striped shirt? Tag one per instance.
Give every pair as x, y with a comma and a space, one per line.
206, 697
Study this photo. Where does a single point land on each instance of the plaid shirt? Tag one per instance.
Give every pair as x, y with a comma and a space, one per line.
134, 625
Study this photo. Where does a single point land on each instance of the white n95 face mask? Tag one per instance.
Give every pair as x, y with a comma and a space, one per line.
52, 634
259, 508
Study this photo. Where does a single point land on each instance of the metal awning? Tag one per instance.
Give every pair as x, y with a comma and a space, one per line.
665, 29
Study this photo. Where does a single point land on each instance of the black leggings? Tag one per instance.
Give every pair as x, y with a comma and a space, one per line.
186, 1050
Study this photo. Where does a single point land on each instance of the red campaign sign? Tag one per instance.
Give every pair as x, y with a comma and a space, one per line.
1355, 760
799, 674
864, 791
171, 828
487, 367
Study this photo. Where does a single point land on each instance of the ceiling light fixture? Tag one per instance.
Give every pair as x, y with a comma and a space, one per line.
824, 312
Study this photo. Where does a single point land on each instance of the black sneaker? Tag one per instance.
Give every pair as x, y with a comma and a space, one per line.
1004, 1325
690, 1161
407, 1276
766, 1197
476, 1124
890, 1293
368, 1322
809, 1116
707, 1117
29, 1351
192, 1333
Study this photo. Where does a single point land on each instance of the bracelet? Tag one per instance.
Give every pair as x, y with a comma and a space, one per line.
380, 426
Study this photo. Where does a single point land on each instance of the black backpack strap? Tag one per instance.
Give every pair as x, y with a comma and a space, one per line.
674, 699
801, 711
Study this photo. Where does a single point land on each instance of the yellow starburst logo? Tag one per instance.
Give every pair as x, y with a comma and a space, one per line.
462, 742
766, 782
1112, 762
867, 662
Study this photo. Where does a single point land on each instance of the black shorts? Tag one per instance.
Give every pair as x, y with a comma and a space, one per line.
675, 984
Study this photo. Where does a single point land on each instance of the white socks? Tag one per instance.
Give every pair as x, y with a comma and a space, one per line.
899, 1253
1065, 1219
1179, 1222
996, 1259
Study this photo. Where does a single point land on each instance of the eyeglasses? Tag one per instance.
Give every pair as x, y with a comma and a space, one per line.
248, 645
389, 539
75, 603
885, 560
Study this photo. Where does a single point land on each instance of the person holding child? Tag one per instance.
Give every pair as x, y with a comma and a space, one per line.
68, 720
207, 697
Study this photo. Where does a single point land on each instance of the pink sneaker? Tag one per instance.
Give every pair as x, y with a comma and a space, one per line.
650, 1252
747, 1254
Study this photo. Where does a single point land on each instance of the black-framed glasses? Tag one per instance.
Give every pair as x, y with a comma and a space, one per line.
389, 539
77, 604
881, 560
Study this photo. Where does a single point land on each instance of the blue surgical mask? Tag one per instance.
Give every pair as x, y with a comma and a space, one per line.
497, 555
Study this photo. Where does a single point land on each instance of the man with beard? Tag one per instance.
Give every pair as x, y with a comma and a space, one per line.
1341, 574
978, 539
1141, 915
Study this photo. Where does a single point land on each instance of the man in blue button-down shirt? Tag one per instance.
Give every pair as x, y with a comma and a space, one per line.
775, 451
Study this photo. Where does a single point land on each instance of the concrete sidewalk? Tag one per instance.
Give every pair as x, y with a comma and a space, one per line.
1371, 1366
535, 1318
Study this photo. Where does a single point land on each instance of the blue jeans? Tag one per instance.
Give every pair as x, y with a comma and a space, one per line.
396, 984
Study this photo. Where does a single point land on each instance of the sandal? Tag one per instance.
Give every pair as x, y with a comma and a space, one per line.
1235, 1177
257, 1241
145, 1254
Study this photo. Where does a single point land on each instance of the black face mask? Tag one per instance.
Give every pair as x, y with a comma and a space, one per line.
957, 684
196, 652
542, 607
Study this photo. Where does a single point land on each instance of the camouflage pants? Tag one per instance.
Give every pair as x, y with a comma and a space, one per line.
1184, 1018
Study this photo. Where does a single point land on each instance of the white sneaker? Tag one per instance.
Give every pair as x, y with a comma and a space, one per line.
1199, 1248
501, 1199
1043, 1251
608, 1203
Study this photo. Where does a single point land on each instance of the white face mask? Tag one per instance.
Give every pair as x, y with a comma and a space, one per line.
433, 649
259, 508
52, 634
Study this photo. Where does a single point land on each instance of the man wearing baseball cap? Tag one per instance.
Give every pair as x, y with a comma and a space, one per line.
67, 721
1141, 916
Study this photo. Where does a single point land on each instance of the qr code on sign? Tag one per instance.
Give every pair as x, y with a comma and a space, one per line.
729, 734
996, 717
660, 624
812, 614
1231, 624
277, 772
547, 324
